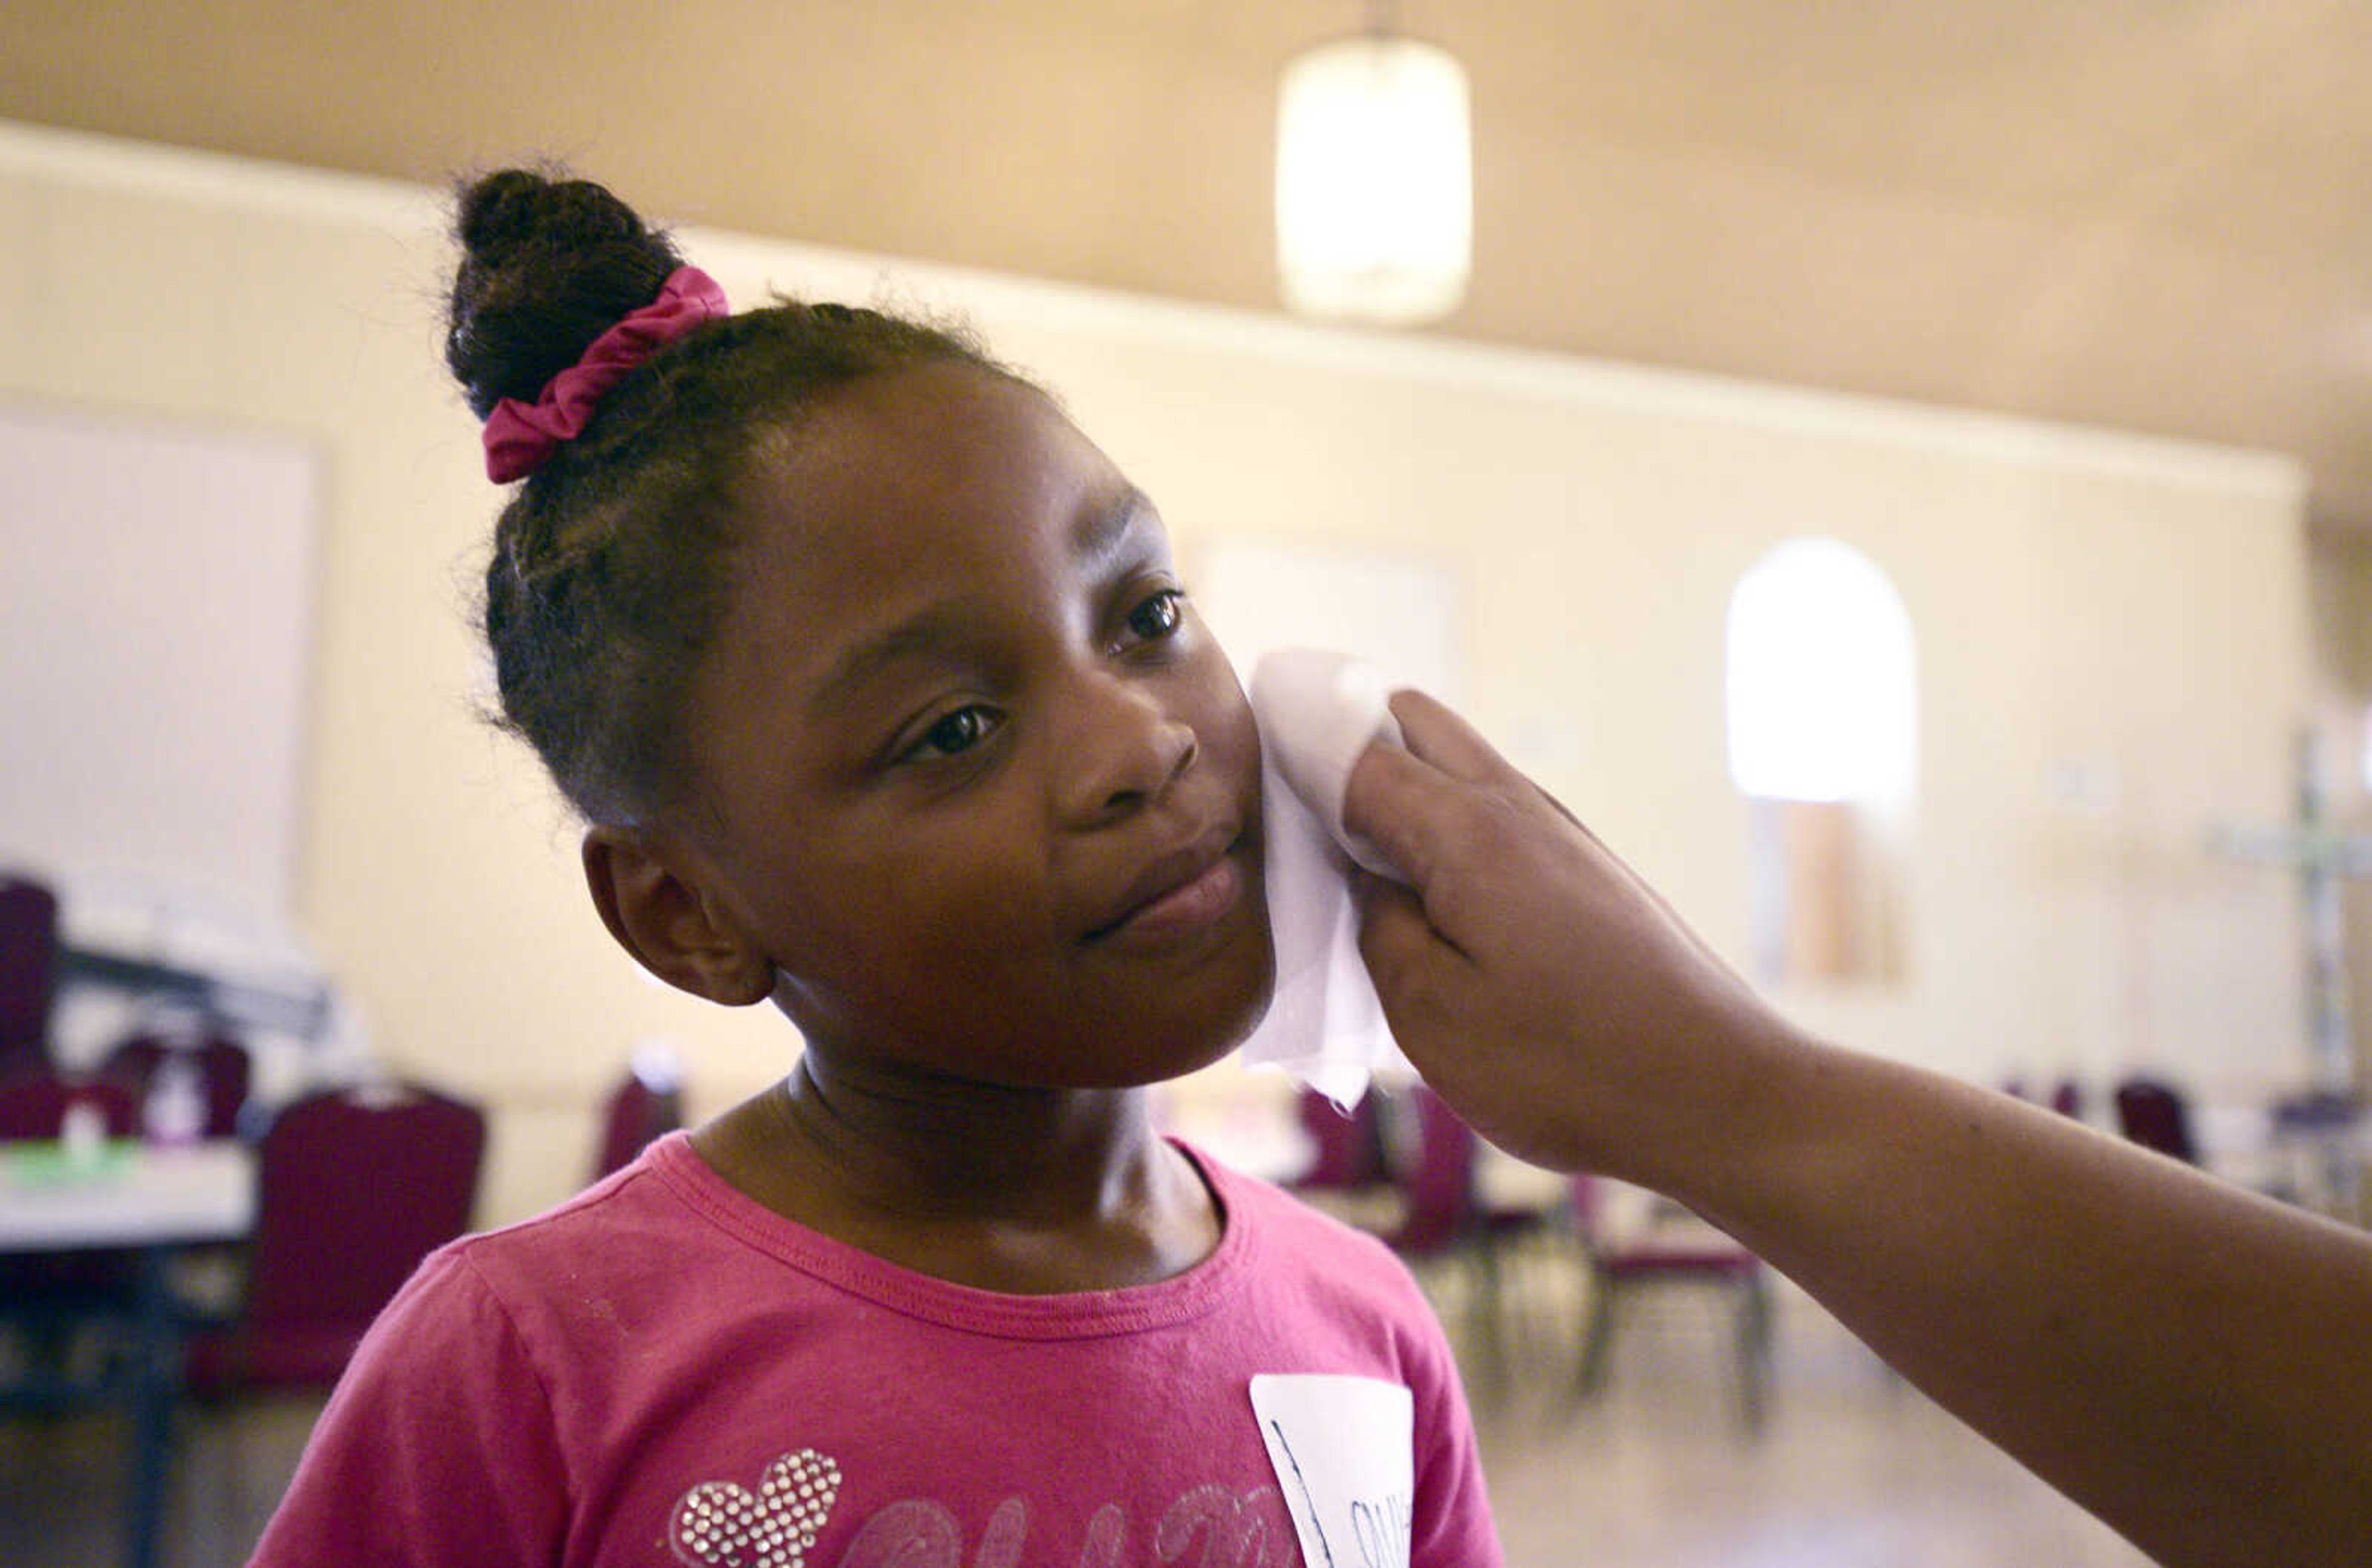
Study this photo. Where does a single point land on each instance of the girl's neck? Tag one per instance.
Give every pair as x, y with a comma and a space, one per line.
937, 1149
1026, 1191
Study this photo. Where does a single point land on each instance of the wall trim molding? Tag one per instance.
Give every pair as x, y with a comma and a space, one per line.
188, 175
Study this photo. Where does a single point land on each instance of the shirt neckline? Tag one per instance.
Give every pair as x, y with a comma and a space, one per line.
1069, 1315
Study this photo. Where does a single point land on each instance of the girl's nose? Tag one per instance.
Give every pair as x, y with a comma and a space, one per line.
1121, 750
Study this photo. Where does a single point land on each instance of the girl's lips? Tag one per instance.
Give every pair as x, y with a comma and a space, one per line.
1184, 910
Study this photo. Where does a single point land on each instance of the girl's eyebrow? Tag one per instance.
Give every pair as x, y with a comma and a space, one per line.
925, 632
1106, 529
1100, 533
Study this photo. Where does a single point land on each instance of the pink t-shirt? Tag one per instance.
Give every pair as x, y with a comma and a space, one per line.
664, 1371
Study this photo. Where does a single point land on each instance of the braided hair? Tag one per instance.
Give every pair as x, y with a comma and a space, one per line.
611, 566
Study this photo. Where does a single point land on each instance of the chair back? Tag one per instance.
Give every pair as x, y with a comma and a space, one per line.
1437, 1187
224, 1068
2156, 1115
33, 1104
1585, 1199
29, 967
1349, 1144
355, 1188
49, 1291
647, 1104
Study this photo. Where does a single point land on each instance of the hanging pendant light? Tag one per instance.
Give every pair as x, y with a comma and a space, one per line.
1374, 188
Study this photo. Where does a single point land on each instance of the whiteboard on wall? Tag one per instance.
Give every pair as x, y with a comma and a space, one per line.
155, 617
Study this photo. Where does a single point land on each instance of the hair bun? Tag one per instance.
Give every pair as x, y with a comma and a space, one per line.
547, 266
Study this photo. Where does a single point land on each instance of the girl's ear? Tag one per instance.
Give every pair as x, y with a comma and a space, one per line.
671, 927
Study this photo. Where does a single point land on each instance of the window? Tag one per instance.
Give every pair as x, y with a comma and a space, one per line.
1822, 714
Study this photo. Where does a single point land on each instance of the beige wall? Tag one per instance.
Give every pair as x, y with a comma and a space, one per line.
2133, 612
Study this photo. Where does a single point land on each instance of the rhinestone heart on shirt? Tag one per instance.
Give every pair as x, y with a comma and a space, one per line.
726, 1525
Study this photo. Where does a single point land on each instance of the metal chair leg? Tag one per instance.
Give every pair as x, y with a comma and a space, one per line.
1754, 1352
1598, 1334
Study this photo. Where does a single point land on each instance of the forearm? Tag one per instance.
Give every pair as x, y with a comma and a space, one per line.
2179, 1356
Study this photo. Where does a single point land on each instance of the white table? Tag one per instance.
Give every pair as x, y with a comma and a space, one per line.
153, 1201
130, 1196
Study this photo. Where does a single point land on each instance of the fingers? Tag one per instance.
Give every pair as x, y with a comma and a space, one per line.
1394, 931
1441, 737
1397, 802
1407, 959
1400, 800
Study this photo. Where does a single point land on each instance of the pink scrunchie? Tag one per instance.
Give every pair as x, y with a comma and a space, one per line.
520, 437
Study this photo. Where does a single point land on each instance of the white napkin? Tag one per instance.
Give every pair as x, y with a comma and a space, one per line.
1316, 712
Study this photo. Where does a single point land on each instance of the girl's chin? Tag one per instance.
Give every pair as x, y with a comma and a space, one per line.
1206, 1047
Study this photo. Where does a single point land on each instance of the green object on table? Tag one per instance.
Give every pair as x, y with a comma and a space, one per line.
48, 1162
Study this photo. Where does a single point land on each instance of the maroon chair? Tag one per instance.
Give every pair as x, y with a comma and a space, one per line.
646, 1105
1671, 1248
225, 1069
2156, 1115
29, 969
1350, 1154
355, 1188
47, 1295
1443, 1218
1438, 1184
33, 1104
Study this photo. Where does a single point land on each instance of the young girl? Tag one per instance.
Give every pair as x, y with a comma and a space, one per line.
879, 690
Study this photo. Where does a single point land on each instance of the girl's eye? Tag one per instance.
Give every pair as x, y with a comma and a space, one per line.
1158, 617
956, 733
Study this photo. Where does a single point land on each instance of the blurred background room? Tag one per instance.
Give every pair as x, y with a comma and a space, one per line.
1902, 475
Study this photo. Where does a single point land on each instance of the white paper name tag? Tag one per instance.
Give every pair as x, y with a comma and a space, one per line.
1343, 1449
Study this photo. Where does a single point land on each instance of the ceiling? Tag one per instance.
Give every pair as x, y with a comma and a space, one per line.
2148, 215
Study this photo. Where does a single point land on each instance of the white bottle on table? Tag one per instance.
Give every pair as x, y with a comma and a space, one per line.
82, 1134
175, 1110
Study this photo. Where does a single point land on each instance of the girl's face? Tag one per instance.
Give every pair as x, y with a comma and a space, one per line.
977, 779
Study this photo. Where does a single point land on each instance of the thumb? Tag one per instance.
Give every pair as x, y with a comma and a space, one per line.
1406, 956
1400, 803
1404, 799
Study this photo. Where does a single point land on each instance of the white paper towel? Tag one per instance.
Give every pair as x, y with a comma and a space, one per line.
1316, 712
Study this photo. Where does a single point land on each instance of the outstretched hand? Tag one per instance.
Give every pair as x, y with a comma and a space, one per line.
2066, 1306
1538, 983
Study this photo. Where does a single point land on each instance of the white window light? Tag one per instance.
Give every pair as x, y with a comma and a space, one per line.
1822, 682
1373, 184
